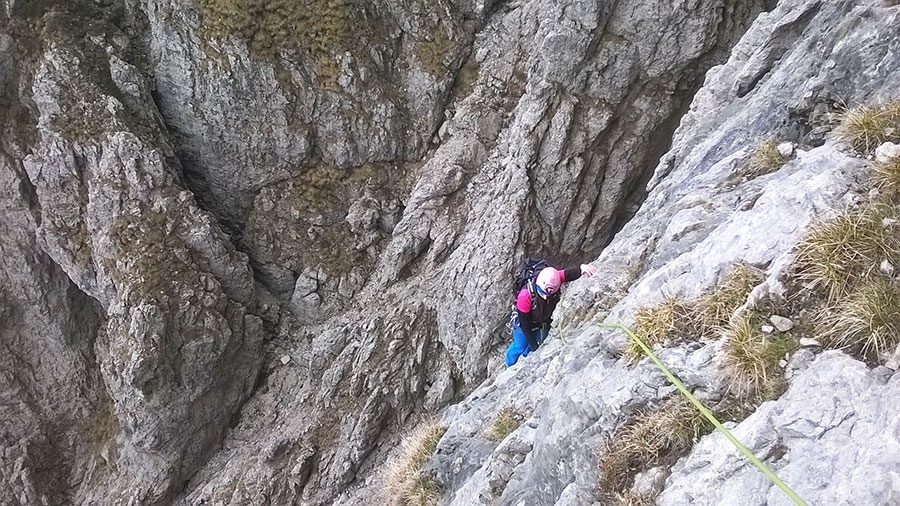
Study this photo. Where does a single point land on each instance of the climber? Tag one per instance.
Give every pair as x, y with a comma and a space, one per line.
537, 298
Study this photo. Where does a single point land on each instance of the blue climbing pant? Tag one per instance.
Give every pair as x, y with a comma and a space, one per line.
519, 347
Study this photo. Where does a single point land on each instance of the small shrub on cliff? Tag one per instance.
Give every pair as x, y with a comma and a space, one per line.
506, 421
866, 127
405, 483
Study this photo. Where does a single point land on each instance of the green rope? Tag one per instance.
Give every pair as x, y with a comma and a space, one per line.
562, 336
709, 416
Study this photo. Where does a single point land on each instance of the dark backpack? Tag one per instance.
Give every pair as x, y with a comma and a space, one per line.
527, 273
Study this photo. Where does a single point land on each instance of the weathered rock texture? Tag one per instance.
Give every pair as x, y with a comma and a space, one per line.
703, 214
579, 392
247, 243
156, 318
831, 437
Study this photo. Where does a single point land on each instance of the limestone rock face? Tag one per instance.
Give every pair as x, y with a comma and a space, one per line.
167, 347
704, 212
576, 389
247, 244
55, 408
829, 438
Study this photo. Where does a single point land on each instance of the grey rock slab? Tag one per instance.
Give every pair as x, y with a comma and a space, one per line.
886, 151
757, 223
829, 437
577, 403
781, 323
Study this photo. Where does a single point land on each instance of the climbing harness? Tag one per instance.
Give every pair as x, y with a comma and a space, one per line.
543, 330
709, 416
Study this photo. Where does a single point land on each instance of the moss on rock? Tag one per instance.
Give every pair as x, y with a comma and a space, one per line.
323, 28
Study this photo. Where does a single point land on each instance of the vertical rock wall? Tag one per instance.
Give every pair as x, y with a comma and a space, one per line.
149, 294
329, 194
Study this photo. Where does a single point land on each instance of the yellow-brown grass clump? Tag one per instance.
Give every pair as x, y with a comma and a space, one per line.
405, 483
848, 264
632, 498
716, 307
867, 322
506, 421
658, 324
674, 319
836, 255
751, 358
886, 176
866, 127
765, 160
653, 438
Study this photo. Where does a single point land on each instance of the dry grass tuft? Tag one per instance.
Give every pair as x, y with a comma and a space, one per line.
657, 324
674, 319
847, 264
405, 484
886, 176
506, 421
653, 438
632, 498
839, 253
866, 127
751, 358
867, 322
716, 306
765, 160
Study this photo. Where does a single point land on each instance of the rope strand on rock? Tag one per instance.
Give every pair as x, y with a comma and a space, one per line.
709, 416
